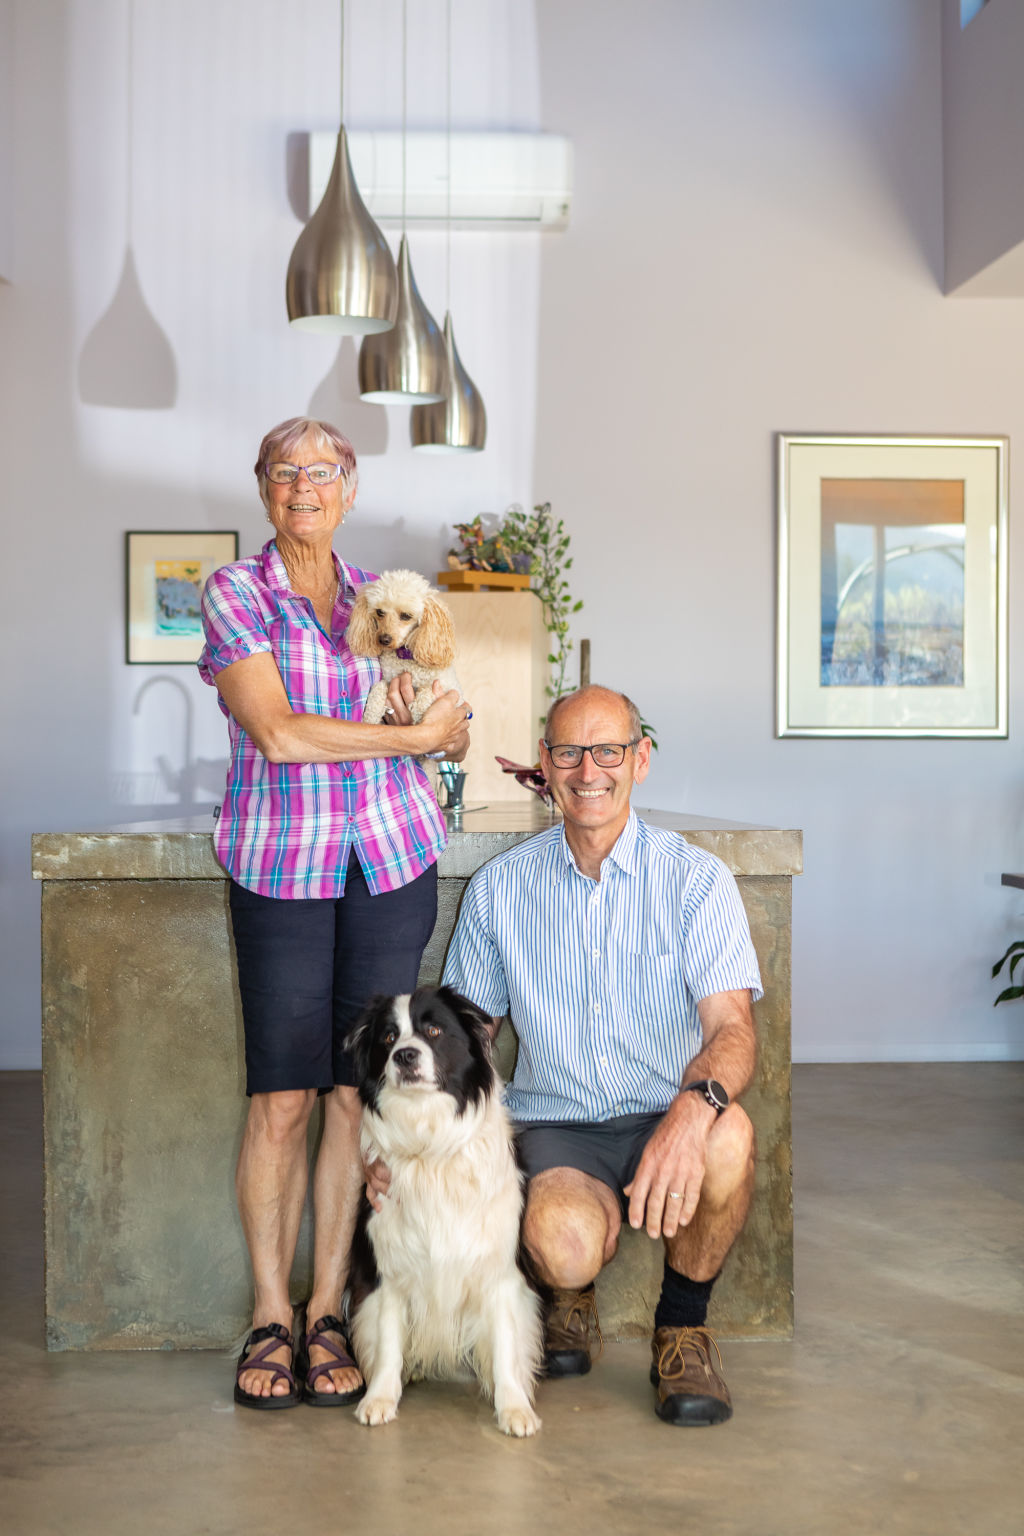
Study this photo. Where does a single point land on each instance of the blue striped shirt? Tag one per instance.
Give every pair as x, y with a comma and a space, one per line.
601, 979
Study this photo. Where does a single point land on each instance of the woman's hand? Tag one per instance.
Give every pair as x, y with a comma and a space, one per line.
447, 715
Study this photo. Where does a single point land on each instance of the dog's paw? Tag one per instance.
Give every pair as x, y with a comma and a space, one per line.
519, 1422
377, 1410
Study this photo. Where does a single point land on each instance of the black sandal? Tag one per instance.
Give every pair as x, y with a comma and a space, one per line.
272, 1336
342, 1359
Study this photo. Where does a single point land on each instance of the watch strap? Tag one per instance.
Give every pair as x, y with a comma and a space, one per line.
719, 1100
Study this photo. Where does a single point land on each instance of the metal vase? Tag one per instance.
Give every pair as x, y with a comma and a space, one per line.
457, 424
341, 276
409, 363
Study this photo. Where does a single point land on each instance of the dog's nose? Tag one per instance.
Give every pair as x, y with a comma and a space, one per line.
383, 638
408, 1056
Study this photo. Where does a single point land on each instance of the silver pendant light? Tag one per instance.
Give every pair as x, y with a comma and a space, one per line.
458, 423
341, 276
408, 364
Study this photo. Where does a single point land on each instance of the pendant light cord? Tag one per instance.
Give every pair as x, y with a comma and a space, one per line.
448, 183
405, 54
341, 89
130, 114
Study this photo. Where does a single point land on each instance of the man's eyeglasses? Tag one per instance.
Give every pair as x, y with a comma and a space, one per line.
316, 474
606, 754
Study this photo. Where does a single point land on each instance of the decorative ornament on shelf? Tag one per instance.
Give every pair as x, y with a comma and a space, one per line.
520, 543
530, 778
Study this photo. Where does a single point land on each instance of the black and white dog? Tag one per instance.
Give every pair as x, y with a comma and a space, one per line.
436, 1283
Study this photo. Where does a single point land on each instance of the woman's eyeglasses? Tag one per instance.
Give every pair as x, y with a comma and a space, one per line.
316, 474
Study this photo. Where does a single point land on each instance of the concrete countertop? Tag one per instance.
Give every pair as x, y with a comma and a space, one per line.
182, 848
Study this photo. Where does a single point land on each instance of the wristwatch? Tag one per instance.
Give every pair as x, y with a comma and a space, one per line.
712, 1091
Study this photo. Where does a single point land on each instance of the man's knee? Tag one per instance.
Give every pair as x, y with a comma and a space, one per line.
731, 1151
571, 1227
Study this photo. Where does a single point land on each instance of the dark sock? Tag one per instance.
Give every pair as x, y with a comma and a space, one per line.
683, 1302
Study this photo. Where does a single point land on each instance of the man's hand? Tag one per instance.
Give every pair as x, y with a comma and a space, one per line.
666, 1187
378, 1182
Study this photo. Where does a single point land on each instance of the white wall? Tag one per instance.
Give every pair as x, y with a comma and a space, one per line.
220, 85
6, 138
756, 245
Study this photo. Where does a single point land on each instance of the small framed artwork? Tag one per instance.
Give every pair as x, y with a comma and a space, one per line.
892, 586
164, 578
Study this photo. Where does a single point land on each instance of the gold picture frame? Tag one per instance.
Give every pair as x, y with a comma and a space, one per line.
892, 586
164, 578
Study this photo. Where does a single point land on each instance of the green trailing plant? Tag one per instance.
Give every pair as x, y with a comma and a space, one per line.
1007, 995
546, 542
533, 544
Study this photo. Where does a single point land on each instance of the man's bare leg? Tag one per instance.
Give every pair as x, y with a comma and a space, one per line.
571, 1230
700, 1249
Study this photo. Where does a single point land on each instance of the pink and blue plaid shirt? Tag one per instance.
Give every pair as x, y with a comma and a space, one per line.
287, 829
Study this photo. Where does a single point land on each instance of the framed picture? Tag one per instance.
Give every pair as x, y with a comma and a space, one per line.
892, 586
164, 577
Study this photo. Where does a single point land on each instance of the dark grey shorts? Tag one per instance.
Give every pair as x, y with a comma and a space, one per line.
609, 1150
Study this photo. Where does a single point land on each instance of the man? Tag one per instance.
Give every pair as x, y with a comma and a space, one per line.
623, 958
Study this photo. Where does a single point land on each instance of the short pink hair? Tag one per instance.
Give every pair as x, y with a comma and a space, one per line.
281, 442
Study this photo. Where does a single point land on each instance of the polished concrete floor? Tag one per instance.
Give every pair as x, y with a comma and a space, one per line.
898, 1407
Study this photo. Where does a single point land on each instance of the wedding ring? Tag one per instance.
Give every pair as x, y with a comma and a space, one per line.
673, 1195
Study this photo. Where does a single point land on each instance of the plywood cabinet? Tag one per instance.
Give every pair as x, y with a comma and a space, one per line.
501, 659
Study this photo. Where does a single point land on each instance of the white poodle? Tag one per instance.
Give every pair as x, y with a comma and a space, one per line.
403, 620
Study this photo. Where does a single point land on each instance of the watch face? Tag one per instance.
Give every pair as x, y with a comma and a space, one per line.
717, 1094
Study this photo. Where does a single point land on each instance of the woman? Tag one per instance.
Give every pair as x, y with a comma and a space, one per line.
330, 832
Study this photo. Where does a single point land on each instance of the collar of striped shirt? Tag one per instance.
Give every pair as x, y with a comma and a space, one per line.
625, 853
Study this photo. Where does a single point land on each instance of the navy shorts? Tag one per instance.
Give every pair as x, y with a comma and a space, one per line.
609, 1150
307, 969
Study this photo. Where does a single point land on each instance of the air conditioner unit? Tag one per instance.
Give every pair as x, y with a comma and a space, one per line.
499, 180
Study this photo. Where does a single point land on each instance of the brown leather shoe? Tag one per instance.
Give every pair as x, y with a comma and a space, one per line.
570, 1322
690, 1390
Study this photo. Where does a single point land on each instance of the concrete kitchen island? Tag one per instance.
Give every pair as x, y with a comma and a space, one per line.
144, 1098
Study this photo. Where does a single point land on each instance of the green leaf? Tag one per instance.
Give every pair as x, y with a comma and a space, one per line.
1016, 947
1009, 994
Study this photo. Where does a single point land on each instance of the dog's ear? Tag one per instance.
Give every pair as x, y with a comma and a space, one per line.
361, 633
434, 642
475, 1019
362, 1037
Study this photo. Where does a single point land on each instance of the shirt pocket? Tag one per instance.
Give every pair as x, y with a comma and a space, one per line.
311, 670
657, 993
